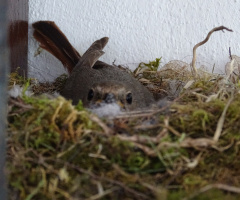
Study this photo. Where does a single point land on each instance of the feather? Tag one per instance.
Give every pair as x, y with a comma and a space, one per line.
52, 39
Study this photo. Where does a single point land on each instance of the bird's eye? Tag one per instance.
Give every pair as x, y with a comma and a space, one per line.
129, 98
90, 94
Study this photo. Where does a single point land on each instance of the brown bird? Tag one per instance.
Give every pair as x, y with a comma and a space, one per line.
90, 80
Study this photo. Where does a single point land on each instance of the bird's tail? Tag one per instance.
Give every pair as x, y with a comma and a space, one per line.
52, 39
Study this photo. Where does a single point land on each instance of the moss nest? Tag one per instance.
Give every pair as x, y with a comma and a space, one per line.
187, 148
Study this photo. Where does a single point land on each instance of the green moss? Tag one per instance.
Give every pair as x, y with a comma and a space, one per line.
60, 151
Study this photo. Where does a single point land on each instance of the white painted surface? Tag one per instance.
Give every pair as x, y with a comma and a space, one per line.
139, 30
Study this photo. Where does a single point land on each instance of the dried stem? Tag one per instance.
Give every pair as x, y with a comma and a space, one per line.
220, 186
221, 120
194, 69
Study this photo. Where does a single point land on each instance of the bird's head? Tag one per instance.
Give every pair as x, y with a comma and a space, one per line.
110, 92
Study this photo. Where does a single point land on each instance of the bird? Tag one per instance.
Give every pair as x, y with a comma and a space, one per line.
90, 80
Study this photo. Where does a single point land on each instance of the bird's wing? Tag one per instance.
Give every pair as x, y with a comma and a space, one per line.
98, 45
89, 58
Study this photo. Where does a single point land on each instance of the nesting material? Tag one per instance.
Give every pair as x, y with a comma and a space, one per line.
60, 151
107, 110
184, 147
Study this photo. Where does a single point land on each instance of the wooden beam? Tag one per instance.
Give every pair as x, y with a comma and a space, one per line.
3, 95
18, 35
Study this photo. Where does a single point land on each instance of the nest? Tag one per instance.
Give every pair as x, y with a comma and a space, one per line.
187, 148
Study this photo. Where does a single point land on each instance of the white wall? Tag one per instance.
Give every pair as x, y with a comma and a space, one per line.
139, 30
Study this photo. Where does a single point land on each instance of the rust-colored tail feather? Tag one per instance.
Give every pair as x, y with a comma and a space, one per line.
52, 39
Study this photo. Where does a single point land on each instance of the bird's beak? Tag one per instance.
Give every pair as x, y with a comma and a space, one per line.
120, 104
98, 102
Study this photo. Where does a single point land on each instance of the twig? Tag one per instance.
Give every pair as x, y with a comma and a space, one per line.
213, 68
196, 143
145, 127
106, 130
220, 123
20, 104
230, 53
216, 186
171, 129
194, 69
147, 150
139, 139
102, 194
